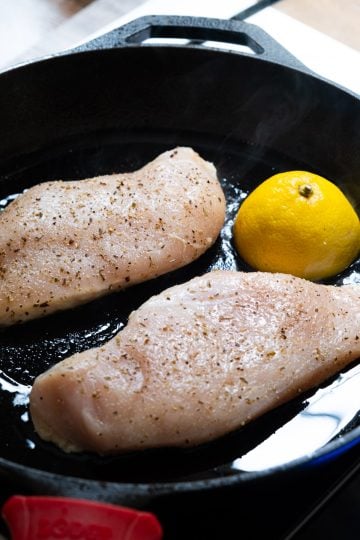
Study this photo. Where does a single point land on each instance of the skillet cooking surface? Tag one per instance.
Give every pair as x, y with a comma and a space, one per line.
29, 349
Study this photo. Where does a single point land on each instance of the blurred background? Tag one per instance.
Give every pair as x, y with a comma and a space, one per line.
31, 28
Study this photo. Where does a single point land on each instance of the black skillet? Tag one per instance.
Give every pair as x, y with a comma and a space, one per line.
111, 106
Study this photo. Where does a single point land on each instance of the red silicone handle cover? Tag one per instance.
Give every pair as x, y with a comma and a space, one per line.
42, 518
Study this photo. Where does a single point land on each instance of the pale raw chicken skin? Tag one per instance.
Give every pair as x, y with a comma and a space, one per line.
198, 361
66, 243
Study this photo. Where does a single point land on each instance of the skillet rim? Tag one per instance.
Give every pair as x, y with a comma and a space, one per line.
329, 451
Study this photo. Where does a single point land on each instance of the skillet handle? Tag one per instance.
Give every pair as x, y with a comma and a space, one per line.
197, 30
36, 517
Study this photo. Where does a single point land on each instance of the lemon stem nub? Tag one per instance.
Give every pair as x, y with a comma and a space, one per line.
305, 190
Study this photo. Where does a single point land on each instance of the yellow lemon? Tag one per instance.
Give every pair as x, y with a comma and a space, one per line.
298, 223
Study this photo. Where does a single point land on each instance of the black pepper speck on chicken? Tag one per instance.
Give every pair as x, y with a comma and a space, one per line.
65, 243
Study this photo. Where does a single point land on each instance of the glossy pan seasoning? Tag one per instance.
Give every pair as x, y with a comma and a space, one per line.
112, 106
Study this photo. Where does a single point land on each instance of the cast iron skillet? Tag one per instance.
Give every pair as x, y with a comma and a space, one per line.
111, 106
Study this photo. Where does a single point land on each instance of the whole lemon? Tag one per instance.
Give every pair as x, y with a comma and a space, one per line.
298, 223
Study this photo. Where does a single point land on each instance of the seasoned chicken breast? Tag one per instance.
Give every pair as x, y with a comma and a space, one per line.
65, 243
198, 361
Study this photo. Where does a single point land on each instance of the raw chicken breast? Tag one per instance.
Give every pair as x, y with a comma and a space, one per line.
65, 243
197, 361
